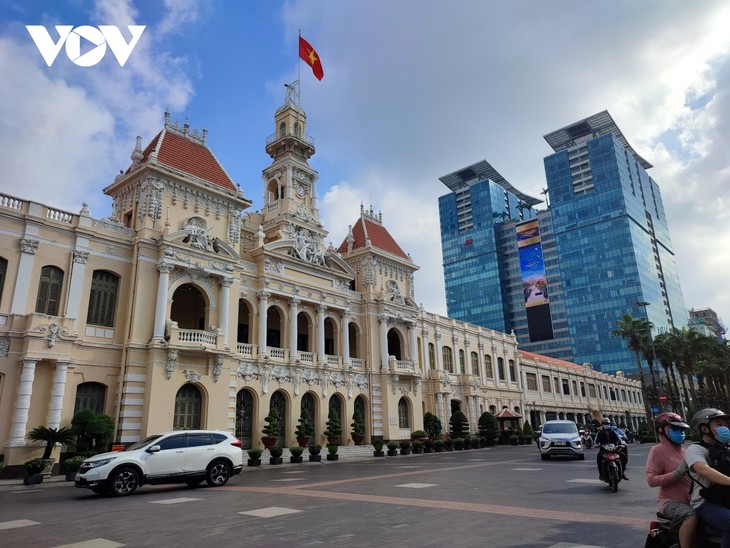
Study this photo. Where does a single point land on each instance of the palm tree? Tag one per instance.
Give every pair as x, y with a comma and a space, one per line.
689, 345
51, 436
666, 354
544, 192
630, 329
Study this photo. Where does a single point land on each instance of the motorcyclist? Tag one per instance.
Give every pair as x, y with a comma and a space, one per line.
666, 469
587, 438
621, 434
709, 466
606, 435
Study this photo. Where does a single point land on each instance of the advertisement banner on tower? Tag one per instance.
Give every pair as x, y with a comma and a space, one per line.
534, 281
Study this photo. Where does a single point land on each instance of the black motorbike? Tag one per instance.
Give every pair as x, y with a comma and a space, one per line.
663, 533
611, 465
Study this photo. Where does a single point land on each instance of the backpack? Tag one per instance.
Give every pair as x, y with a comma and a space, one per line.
719, 459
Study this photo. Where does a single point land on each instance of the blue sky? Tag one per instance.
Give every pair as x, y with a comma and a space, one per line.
412, 90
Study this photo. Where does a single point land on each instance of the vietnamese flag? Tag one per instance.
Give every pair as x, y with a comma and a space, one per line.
307, 53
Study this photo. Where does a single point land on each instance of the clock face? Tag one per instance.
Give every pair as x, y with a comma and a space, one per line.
301, 191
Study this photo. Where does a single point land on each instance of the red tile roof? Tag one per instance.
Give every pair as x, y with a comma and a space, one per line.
188, 156
549, 360
366, 228
507, 414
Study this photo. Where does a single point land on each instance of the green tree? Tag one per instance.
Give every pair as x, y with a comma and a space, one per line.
358, 424
488, 426
305, 428
272, 428
51, 436
631, 329
93, 430
432, 425
527, 430
334, 427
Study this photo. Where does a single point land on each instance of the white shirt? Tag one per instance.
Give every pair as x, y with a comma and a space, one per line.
696, 453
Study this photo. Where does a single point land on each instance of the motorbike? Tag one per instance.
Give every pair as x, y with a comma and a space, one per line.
611, 465
663, 533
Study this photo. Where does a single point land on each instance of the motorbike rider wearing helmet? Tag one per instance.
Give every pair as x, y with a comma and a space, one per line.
705, 460
606, 435
666, 469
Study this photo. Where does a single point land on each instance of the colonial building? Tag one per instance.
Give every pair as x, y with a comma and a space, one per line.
182, 310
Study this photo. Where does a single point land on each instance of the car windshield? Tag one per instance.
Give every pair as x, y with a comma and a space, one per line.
558, 429
142, 443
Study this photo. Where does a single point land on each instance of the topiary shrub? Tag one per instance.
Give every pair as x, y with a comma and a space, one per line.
272, 428
93, 430
458, 425
488, 427
334, 428
432, 425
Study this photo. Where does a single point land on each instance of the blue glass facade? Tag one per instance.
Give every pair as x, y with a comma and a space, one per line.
605, 246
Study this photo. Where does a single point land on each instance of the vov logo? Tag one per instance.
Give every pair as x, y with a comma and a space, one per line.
100, 37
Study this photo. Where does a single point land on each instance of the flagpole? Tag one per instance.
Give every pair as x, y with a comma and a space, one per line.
299, 68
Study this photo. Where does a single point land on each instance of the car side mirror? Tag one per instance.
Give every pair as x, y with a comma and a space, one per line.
154, 449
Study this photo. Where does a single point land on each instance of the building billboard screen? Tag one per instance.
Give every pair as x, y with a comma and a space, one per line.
534, 281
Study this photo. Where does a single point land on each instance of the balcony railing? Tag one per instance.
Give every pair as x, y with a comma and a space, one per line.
245, 349
196, 336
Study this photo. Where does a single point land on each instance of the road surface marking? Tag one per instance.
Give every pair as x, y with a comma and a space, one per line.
17, 523
93, 543
417, 485
270, 512
173, 501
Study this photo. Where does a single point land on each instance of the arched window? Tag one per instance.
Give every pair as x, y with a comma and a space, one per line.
278, 402
49, 291
475, 364
188, 405
431, 356
3, 272
403, 420
102, 298
488, 371
297, 129
512, 373
500, 369
282, 130
90, 395
462, 365
244, 418
448, 359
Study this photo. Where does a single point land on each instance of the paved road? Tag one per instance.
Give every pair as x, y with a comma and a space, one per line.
499, 497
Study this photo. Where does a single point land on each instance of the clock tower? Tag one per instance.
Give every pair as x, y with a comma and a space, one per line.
290, 184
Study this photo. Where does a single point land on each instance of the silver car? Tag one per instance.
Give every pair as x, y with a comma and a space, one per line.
560, 439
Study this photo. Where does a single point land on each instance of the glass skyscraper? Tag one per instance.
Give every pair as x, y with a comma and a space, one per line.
561, 278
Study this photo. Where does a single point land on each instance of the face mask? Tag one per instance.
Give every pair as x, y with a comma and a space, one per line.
723, 434
677, 436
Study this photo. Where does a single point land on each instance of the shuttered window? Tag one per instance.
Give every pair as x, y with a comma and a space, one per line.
103, 298
49, 291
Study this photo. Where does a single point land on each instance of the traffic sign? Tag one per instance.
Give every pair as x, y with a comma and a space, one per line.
663, 398
655, 410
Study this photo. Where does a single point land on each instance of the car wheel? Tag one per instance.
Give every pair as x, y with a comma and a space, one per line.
193, 482
218, 473
544, 456
123, 482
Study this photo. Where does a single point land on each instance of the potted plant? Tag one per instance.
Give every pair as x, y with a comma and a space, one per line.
333, 432
332, 452
405, 447
449, 444
275, 453
34, 471
72, 466
438, 445
254, 456
528, 432
417, 446
296, 454
50, 436
305, 428
271, 430
378, 449
314, 455
459, 444
392, 449
420, 435
358, 428
427, 445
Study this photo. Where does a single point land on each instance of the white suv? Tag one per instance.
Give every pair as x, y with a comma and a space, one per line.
182, 456
560, 439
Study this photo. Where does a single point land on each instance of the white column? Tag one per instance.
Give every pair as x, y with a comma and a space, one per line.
440, 409
263, 309
28, 248
320, 333
225, 297
412, 342
345, 338
495, 366
161, 305
293, 333
78, 271
439, 353
383, 341
22, 406
471, 400
57, 392
482, 368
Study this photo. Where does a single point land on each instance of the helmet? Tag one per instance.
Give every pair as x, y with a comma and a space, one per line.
606, 420
664, 419
704, 416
